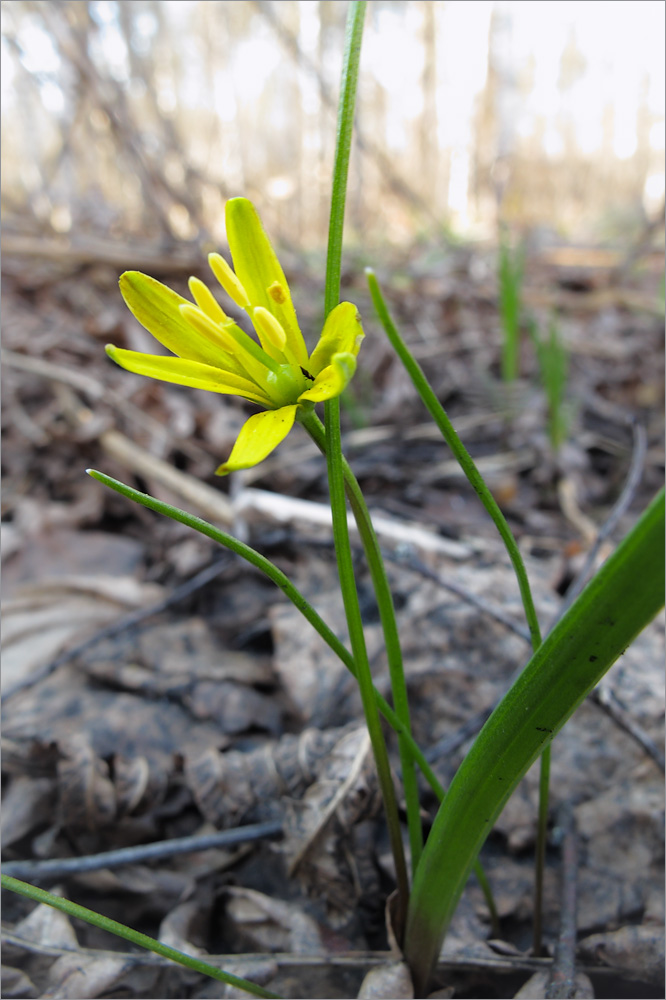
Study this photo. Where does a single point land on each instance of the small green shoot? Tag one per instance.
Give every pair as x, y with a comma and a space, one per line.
511, 268
553, 360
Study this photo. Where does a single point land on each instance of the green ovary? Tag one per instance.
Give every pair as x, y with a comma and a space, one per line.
285, 385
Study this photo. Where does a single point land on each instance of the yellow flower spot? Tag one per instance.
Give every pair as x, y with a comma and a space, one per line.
277, 293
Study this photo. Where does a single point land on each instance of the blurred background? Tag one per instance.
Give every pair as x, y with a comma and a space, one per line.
507, 181
141, 118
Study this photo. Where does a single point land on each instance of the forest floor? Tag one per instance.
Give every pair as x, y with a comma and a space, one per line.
157, 687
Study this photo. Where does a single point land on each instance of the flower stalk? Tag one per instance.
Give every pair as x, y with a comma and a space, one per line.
334, 459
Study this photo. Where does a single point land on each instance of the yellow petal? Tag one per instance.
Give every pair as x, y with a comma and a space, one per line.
259, 271
258, 437
184, 372
157, 308
332, 381
342, 334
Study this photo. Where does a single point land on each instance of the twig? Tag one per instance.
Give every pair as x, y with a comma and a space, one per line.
609, 525
98, 392
405, 557
210, 502
85, 250
507, 964
607, 701
38, 872
561, 983
129, 621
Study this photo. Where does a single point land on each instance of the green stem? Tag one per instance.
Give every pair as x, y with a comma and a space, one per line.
333, 268
275, 574
359, 651
384, 597
346, 103
314, 427
142, 940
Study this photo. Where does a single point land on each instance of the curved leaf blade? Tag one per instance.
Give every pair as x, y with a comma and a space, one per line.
623, 597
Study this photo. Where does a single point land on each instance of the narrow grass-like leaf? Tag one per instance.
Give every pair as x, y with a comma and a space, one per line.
510, 289
282, 581
129, 934
553, 366
460, 453
623, 597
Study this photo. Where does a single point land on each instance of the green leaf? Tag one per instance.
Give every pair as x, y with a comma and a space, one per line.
129, 934
623, 597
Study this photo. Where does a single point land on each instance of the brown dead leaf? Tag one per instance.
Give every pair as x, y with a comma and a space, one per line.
131, 780
42, 619
184, 661
15, 984
342, 777
26, 804
187, 651
386, 982
180, 925
312, 676
267, 924
319, 842
62, 706
47, 926
235, 708
318, 685
87, 795
56, 552
234, 787
636, 949
84, 977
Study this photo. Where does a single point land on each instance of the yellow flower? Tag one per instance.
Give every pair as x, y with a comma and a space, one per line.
212, 352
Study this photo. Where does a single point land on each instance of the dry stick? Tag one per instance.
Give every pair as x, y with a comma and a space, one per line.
410, 560
38, 872
609, 704
98, 392
178, 594
618, 509
562, 974
356, 960
502, 964
83, 250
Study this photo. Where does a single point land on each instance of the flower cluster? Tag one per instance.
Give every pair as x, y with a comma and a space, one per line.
212, 352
